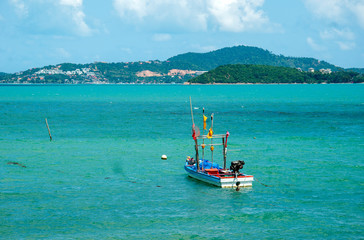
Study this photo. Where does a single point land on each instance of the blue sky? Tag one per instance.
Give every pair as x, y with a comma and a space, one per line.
37, 33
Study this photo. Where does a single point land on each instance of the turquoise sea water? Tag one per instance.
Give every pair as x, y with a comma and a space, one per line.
102, 177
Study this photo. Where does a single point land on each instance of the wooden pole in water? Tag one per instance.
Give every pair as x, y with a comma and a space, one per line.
49, 131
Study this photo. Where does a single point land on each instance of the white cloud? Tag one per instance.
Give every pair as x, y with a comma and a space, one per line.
329, 9
196, 15
20, 8
79, 18
186, 13
162, 37
61, 52
334, 33
238, 16
345, 15
74, 9
314, 45
344, 38
358, 10
137, 7
346, 45
338, 11
72, 3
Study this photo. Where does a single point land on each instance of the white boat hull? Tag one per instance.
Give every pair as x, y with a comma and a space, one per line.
223, 182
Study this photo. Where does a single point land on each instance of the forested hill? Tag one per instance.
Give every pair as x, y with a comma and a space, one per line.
242, 73
248, 55
358, 70
178, 69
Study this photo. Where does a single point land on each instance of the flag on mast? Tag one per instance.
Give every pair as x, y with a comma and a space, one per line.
193, 132
209, 135
204, 122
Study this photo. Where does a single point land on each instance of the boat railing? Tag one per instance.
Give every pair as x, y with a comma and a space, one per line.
202, 141
212, 137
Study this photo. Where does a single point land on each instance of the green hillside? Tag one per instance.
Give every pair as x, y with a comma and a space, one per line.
179, 69
248, 55
243, 73
358, 70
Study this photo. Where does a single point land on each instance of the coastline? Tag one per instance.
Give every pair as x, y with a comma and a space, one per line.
184, 84
266, 83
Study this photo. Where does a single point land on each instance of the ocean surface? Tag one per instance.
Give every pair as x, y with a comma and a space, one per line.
102, 177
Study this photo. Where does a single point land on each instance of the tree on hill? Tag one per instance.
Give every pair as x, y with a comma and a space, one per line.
247, 73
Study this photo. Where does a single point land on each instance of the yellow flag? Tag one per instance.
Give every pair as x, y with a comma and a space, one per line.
209, 135
204, 122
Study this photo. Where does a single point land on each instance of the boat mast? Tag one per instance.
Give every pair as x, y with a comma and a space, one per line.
195, 138
223, 151
224, 143
212, 146
203, 133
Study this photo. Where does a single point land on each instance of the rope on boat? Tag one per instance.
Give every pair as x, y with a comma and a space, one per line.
262, 183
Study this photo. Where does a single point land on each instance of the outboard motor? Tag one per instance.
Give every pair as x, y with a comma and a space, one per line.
236, 166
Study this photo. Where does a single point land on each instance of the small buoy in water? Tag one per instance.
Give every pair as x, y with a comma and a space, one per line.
164, 157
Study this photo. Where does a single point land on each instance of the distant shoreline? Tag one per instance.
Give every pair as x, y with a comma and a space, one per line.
154, 84
265, 83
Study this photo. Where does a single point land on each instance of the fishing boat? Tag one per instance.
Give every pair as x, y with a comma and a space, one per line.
207, 170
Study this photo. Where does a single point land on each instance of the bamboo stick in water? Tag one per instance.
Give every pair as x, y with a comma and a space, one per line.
49, 131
